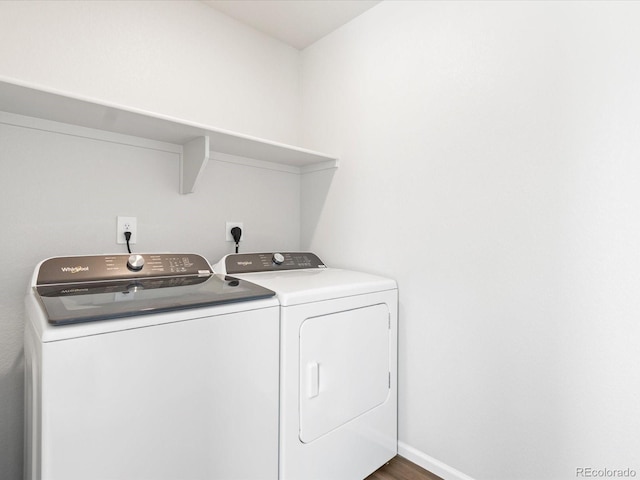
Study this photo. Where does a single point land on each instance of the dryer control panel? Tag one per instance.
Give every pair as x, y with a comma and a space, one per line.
268, 262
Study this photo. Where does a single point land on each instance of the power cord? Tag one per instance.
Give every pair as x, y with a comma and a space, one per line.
127, 236
236, 233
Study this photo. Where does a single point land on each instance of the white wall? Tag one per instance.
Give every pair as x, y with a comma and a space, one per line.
61, 194
180, 58
489, 162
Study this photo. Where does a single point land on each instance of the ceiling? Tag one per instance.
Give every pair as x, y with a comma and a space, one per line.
298, 23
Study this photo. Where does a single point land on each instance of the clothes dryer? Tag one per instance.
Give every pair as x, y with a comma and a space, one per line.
149, 367
338, 364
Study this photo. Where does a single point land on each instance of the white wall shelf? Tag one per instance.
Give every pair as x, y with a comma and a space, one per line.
198, 142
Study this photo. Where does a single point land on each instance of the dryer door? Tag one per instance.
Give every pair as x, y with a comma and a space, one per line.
344, 368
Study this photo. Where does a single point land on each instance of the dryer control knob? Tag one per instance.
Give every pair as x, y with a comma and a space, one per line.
278, 258
135, 262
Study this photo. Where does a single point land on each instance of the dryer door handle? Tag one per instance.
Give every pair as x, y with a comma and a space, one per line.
313, 379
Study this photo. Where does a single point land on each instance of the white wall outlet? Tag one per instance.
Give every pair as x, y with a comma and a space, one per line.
228, 228
127, 224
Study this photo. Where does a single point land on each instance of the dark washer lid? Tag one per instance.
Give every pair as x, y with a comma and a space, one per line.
104, 288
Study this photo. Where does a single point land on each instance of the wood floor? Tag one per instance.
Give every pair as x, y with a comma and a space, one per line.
399, 468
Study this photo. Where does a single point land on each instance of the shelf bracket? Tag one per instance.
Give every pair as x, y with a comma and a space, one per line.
195, 155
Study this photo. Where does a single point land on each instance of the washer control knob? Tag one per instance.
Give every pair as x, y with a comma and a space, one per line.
278, 258
135, 262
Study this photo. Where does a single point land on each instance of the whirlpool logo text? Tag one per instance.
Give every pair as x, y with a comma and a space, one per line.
74, 269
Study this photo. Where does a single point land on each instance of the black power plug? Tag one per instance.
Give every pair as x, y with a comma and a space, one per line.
127, 237
236, 233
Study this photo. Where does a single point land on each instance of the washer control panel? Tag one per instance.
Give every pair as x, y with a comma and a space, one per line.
92, 268
270, 262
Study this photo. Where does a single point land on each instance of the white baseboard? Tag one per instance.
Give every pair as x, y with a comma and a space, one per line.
429, 463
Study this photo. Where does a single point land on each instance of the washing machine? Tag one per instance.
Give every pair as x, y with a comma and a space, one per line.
338, 363
149, 367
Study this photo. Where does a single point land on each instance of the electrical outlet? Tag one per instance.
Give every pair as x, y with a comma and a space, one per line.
228, 228
127, 224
